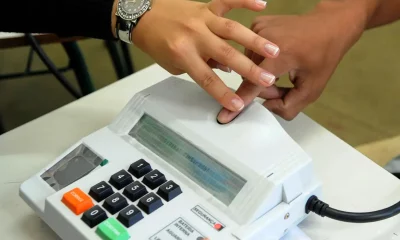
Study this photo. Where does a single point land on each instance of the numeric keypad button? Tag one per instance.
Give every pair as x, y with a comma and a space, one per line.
135, 190
169, 190
139, 168
154, 179
120, 179
94, 216
150, 203
115, 203
101, 191
129, 216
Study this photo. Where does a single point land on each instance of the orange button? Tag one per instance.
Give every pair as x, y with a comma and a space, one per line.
77, 201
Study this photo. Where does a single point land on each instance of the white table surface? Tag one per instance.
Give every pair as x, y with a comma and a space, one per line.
351, 181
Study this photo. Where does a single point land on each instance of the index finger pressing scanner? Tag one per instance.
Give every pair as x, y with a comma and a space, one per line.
165, 169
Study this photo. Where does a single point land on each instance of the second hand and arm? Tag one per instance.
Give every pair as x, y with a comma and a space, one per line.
311, 47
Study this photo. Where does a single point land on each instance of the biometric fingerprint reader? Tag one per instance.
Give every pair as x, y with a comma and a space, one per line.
164, 169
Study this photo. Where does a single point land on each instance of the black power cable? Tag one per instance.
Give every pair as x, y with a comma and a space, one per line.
49, 64
322, 209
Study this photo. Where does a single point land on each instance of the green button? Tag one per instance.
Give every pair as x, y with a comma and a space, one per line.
111, 229
104, 162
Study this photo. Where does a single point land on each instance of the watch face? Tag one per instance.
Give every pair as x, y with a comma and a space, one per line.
131, 9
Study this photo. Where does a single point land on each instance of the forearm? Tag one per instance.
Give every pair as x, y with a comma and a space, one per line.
369, 13
88, 18
387, 12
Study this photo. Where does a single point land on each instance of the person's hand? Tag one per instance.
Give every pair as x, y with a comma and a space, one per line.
311, 46
189, 37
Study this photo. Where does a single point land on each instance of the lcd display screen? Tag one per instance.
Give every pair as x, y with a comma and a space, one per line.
195, 164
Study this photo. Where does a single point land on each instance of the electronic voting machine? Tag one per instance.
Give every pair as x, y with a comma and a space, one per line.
165, 169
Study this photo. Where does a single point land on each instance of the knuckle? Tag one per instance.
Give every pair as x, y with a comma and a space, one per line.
178, 47
191, 23
289, 115
285, 112
258, 41
227, 52
230, 25
253, 70
256, 20
205, 8
175, 71
225, 97
208, 80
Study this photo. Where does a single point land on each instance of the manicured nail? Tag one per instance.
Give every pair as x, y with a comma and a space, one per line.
226, 116
237, 104
261, 2
271, 49
224, 68
267, 78
223, 116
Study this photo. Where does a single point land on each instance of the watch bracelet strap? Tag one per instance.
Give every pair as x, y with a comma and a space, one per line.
124, 30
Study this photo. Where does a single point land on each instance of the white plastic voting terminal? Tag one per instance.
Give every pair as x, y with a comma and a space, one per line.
165, 169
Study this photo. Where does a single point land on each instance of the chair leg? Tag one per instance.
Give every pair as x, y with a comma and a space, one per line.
120, 64
79, 66
128, 59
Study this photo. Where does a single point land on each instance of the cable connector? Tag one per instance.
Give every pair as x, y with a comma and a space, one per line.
322, 209
316, 206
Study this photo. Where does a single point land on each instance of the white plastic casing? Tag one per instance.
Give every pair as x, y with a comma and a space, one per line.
279, 174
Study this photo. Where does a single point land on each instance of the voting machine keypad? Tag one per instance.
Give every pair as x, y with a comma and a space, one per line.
121, 179
124, 200
101, 191
115, 203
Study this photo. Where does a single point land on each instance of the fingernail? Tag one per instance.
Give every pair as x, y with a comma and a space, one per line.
224, 68
267, 78
261, 2
237, 104
226, 116
271, 49
223, 116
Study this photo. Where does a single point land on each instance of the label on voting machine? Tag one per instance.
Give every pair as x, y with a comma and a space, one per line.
178, 230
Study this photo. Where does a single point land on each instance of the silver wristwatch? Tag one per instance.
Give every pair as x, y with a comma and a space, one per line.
128, 14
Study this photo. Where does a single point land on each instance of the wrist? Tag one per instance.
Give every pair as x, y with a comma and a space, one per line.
346, 19
124, 21
138, 33
114, 18
357, 13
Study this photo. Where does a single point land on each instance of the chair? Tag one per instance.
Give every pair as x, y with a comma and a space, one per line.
118, 51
